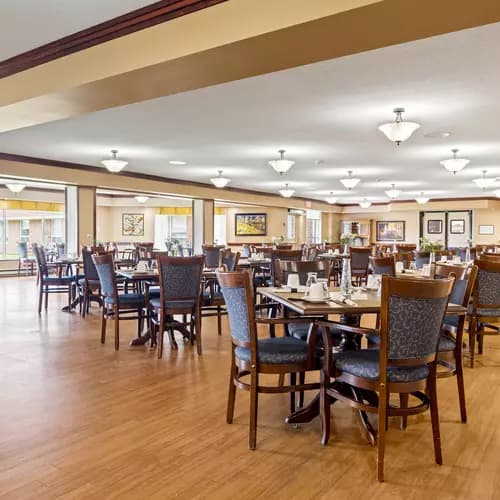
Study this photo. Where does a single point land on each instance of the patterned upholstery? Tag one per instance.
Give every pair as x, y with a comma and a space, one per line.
89, 268
229, 260
381, 269
181, 281
127, 299
299, 330
359, 259
365, 363
173, 304
212, 257
237, 311
414, 326
421, 258
106, 275
446, 343
278, 350
456, 297
488, 288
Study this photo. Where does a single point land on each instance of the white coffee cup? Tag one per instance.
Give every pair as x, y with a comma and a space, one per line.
444, 258
316, 291
399, 267
336, 251
457, 259
293, 281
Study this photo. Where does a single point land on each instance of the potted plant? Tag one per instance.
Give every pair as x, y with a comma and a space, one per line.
430, 247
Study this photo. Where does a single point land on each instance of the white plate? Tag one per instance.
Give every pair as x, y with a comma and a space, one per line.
313, 300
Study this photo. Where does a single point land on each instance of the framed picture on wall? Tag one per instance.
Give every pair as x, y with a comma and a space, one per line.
434, 226
390, 230
250, 224
133, 224
457, 226
486, 229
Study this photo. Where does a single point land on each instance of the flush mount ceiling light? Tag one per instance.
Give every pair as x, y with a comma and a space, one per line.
331, 199
484, 182
14, 187
350, 182
287, 192
113, 164
422, 199
219, 181
141, 199
365, 203
393, 193
455, 164
177, 162
281, 166
398, 131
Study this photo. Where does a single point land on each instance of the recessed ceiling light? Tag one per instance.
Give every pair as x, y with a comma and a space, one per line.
439, 134
177, 162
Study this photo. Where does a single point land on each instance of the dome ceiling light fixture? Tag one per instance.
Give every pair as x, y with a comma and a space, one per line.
350, 182
287, 192
15, 187
399, 130
365, 203
422, 199
113, 164
141, 198
393, 193
219, 181
455, 164
331, 199
281, 165
484, 182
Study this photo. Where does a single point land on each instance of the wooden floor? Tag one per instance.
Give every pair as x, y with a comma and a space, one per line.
79, 421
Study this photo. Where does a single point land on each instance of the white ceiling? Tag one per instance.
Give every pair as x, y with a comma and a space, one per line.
27, 24
327, 111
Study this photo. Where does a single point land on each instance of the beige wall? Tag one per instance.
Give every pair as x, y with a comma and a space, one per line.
109, 223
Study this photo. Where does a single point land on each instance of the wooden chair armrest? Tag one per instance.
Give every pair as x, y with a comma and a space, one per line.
336, 327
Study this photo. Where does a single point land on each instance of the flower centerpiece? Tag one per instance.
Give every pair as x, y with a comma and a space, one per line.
276, 240
427, 245
347, 239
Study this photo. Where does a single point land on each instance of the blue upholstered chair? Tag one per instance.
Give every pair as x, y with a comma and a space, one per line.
212, 254
360, 259
252, 357
180, 294
412, 313
124, 306
421, 258
383, 265
485, 309
89, 286
51, 284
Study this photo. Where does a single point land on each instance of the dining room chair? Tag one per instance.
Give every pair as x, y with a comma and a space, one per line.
492, 256
412, 313
25, 262
450, 351
212, 254
421, 258
180, 295
359, 264
89, 285
252, 357
282, 255
49, 284
383, 265
118, 306
484, 314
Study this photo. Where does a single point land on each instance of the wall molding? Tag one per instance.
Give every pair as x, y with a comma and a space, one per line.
136, 20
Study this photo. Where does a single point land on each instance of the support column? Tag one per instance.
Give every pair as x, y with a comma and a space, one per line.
203, 224
80, 210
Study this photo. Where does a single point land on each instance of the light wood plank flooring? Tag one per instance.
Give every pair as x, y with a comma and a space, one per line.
79, 421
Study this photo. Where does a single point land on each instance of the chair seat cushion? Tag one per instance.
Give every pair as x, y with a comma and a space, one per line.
446, 343
365, 363
278, 350
53, 280
373, 339
299, 330
127, 299
154, 292
173, 304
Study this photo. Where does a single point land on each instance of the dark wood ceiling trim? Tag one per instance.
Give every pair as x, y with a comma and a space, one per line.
136, 20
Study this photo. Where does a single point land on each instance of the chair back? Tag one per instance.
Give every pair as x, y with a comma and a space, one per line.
412, 312
444, 270
212, 255
278, 255
406, 247
421, 258
405, 258
41, 261
22, 248
487, 290
302, 268
360, 258
229, 260
107, 279
180, 250
383, 265
495, 257
89, 269
60, 249
284, 247
238, 295
180, 277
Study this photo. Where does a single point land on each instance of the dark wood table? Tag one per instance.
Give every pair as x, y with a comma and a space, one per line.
350, 313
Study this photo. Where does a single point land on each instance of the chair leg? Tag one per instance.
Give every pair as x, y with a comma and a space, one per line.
254, 403
324, 403
382, 426
461, 389
197, 321
103, 324
293, 381
40, 299
472, 340
435, 418
232, 392
219, 321
480, 333
117, 328
302, 381
140, 322
403, 403
46, 297
161, 331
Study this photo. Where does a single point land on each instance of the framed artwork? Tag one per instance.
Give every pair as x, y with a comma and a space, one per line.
434, 226
250, 224
391, 230
486, 229
133, 224
457, 226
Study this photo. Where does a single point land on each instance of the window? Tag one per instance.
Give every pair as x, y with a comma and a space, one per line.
24, 230
220, 229
172, 230
291, 227
313, 226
